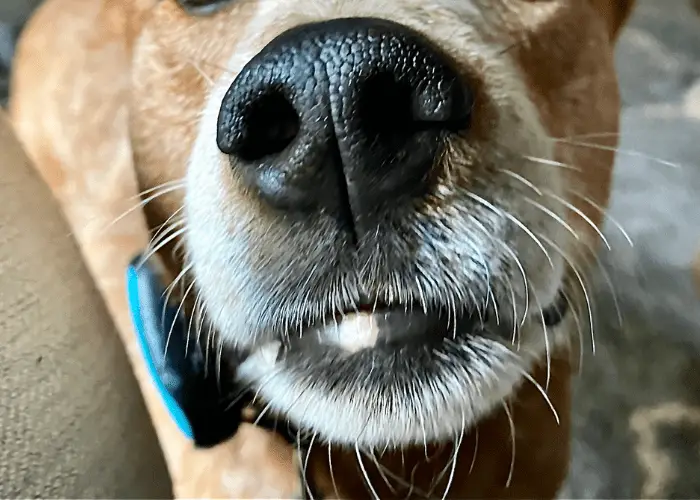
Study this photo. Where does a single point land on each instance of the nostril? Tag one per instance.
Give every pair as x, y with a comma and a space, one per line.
270, 124
391, 108
384, 106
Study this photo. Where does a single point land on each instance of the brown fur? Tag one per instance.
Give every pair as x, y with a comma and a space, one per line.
105, 99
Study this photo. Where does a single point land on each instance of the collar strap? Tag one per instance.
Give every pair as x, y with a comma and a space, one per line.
194, 396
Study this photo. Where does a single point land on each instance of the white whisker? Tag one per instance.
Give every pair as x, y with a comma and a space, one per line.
168, 184
382, 474
175, 318
614, 149
547, 348
551, 163
364, 473
579, 276
522, 180
581, 214
476, 449
539, 388
554, 216
167, 224
330, 470
514, 220
143, 203
606, 214
306, 467
497, 346
171, 287
579, 330
453, 468
511, 424
175, 233
197, 299
201, 72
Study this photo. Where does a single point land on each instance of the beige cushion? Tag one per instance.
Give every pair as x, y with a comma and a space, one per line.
72, 419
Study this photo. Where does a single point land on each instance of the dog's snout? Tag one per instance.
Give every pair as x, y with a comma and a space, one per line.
344, 116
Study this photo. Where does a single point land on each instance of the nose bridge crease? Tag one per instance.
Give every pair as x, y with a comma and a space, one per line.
342, 84
347, 215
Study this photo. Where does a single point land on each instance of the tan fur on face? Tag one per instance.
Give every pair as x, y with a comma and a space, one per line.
150, 73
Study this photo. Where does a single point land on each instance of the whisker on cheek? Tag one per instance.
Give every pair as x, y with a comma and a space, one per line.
545, 335
617, 150
331, 471
365, 475
476, 449
551, 163
526, 282
305, 465
557, 218
180, 249
591, 253
165, 185
451, 465
581, 214
571, 206
580, 277
174, 231
515, 220
175, 219
247, 387
605, 213
176, 316
381, 472
522, 180
578, 326
154, 194
192, 321
511, 425
169, 291
200, 313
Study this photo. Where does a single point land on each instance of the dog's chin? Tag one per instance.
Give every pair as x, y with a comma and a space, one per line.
395, 377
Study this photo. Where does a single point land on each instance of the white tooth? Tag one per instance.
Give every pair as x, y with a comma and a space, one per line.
356, 331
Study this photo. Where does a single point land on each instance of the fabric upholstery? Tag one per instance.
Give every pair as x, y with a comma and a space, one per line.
73, 423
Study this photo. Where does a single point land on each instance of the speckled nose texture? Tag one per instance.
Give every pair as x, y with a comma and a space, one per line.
344, 116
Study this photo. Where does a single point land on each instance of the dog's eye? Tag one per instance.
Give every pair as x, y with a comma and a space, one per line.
202, 7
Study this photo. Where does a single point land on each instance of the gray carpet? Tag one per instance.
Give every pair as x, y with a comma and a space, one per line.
637, 403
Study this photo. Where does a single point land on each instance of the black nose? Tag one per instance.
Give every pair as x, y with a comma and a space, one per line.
345, 116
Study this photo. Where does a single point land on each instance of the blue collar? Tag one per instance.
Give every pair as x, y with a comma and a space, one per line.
192, 398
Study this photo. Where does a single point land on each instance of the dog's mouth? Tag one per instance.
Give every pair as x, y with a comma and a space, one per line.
378, 374
403, 328
382, 327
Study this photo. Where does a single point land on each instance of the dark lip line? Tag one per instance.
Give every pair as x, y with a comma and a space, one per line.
381, 308
552, 316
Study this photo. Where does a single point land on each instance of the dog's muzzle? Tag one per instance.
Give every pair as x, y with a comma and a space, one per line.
366, 303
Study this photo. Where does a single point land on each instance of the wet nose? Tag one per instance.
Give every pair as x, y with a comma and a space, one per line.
344, 117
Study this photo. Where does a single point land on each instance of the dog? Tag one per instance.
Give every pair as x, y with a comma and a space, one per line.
387, 209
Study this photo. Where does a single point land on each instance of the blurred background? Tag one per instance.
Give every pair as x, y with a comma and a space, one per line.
637, 401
